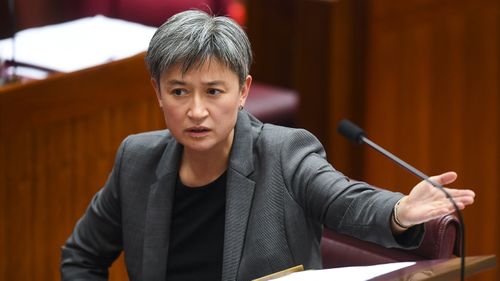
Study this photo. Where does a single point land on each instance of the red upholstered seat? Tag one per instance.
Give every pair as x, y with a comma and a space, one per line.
441, 240
273, 104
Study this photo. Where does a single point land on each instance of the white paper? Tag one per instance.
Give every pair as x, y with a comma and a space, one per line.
353, 273
78, 44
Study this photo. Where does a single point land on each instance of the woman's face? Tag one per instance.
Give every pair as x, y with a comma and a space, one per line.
201, 106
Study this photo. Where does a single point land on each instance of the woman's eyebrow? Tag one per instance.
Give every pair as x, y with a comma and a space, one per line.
174, 82
215, 83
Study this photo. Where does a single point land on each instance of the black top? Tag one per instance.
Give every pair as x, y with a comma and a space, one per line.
197, 232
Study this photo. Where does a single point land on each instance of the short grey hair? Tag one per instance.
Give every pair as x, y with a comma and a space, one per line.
192, 37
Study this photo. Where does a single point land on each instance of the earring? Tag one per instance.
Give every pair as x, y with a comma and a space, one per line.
241, 107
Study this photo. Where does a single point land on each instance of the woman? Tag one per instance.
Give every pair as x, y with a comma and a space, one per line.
219, 195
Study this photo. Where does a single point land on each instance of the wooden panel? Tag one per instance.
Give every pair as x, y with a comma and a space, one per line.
432, 97
58, 138
313, 65
423, 83
315, 47
346, 80
419, 75
325, 74
272, 30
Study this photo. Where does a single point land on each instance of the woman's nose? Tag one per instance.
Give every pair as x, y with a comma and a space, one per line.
198, 109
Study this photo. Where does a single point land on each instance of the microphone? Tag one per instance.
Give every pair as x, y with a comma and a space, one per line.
357, 135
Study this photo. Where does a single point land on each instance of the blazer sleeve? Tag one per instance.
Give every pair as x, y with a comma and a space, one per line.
96, 240
330, 198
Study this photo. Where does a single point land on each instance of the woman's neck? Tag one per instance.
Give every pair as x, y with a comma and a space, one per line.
201, 168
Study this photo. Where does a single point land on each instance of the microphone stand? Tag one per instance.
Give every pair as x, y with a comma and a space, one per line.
356, 134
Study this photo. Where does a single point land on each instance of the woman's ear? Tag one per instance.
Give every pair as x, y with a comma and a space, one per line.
156, 87
245, 90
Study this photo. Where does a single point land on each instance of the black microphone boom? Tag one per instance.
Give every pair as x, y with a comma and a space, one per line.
357, 135
351, 131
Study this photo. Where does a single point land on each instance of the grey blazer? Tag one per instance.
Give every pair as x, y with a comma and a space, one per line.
280, 192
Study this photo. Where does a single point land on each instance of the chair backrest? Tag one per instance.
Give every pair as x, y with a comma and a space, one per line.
441, 240
272, 104
148, 12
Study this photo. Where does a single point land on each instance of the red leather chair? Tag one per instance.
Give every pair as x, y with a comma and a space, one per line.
272, 104
441, 240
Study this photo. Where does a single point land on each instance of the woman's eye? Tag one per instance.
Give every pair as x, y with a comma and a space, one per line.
214, 91
178, 92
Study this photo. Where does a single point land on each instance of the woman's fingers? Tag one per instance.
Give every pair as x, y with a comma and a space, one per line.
465, 196
445, 178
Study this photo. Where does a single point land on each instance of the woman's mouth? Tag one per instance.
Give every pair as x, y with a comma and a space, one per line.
198, 131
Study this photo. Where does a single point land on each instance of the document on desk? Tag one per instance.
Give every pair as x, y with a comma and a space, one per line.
78, 44
353, 273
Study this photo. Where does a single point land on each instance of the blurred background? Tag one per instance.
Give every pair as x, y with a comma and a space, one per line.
420, 76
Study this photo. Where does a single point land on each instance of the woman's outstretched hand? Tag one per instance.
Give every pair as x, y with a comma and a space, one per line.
426, 202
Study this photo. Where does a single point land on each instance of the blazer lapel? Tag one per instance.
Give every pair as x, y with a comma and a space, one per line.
158, 214
239, 194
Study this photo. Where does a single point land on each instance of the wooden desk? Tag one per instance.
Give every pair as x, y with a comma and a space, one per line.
58, 138
440, 270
